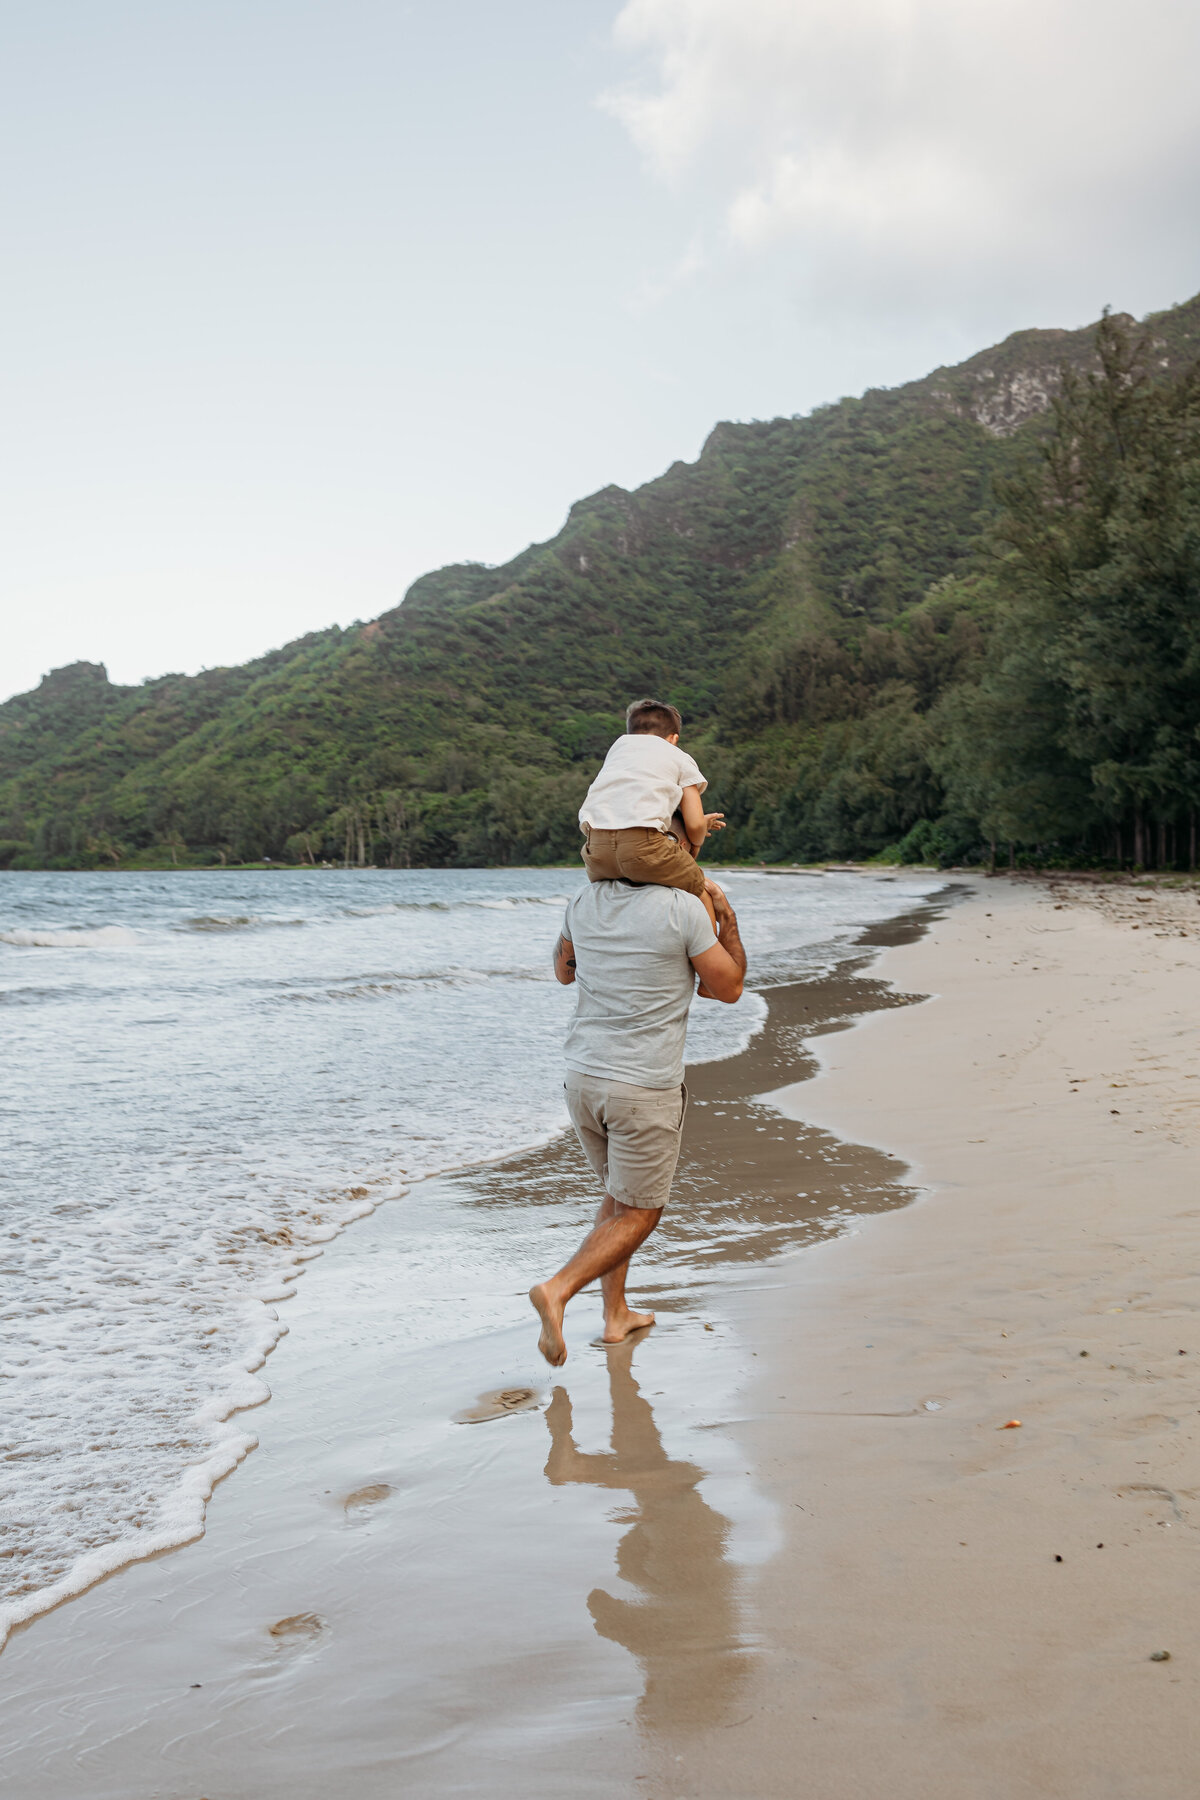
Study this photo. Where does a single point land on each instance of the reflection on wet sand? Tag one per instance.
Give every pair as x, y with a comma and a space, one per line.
751, 1184
683, 1627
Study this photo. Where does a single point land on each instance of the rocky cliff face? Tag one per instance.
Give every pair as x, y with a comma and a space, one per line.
1002, 388
1004, 403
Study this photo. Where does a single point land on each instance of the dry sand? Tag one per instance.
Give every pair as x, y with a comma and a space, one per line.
921, 1637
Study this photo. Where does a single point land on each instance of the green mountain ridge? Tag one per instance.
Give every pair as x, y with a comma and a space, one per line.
807, 592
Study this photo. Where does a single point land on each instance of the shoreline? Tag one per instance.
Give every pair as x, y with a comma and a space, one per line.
261, 1520
233, 1434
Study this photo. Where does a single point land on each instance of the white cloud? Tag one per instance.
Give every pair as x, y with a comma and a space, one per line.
930, 149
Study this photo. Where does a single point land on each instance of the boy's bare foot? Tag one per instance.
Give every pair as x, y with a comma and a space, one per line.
617, 1329
551, 1342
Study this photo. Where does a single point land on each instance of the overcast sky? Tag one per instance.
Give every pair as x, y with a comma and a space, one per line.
303, 298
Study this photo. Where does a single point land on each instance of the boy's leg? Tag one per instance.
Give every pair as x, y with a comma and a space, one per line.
661, 861
599, 855
653, 857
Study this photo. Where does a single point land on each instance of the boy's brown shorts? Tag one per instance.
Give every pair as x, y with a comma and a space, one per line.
640, 853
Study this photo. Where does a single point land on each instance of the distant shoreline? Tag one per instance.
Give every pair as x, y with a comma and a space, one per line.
1164, 880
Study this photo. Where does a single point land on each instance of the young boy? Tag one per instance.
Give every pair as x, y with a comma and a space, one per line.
627, 812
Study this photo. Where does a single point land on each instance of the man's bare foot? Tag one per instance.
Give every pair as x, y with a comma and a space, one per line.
551, 1343
618, 1329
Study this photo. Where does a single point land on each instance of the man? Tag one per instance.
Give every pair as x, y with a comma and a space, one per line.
634, 953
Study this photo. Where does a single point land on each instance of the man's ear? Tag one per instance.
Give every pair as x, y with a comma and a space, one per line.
674, 738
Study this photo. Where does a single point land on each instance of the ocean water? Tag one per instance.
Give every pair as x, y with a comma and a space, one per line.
210, 1074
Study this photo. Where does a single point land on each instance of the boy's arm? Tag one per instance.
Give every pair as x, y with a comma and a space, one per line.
691, 808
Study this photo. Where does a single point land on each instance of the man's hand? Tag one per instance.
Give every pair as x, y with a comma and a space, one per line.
715, 896
564, 960
720, 902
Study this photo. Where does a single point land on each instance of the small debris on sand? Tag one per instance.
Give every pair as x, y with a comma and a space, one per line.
498, 1405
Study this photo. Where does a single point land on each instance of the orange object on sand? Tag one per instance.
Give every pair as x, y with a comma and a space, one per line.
1012, 1425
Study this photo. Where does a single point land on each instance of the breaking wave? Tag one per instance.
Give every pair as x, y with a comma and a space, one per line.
100, 937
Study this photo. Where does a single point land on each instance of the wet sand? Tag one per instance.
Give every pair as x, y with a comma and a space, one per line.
449, 1569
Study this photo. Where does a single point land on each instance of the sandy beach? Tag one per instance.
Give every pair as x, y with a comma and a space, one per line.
964, 1607
784, 1544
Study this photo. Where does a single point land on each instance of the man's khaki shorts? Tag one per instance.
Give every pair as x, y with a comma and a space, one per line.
630, 1135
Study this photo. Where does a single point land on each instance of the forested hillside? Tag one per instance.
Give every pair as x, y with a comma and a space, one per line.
961, 612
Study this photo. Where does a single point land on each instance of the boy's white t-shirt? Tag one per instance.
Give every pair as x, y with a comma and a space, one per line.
641, 783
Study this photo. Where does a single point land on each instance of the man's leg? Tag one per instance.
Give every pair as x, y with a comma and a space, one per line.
619, 1321
603, 1256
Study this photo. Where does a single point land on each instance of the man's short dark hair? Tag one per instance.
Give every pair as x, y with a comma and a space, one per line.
653, 718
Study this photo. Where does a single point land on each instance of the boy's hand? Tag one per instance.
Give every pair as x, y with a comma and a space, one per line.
714, 821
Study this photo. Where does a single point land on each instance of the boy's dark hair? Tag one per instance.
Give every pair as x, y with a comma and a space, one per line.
653, 718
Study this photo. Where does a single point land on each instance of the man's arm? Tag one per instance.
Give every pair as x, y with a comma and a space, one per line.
722, 970
564, 960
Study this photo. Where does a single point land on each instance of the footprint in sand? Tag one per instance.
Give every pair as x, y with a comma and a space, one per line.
1154, 1500
363, 1499
499, 1404
298, 1632
1149, 1422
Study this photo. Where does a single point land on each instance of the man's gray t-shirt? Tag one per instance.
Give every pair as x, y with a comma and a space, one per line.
634, 980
